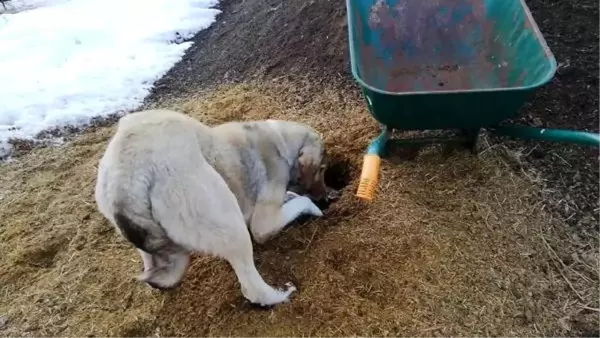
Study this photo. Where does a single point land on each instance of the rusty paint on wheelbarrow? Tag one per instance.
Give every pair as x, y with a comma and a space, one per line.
433, 64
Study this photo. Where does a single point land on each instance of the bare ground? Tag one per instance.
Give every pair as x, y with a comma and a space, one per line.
453, 244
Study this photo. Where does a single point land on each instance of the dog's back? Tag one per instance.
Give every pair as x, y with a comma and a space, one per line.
147, 146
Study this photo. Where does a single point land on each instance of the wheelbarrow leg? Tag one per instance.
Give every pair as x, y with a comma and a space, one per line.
379, 146
471, 137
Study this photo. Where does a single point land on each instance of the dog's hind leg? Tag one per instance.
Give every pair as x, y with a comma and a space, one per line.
164, 269
239, 254
200, 213
226, 235
146, 259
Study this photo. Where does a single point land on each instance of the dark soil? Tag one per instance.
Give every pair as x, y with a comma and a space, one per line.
276, 38
569, 102
272, 38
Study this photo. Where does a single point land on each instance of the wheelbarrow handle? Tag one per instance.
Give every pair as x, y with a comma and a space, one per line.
545, 134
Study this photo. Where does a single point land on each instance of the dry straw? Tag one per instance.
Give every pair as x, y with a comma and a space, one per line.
452, 245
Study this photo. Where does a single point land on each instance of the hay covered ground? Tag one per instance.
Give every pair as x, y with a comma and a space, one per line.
453, 244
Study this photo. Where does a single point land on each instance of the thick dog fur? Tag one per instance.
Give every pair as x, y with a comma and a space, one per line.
172, 185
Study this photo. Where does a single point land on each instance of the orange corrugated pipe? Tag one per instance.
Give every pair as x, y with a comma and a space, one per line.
369, 176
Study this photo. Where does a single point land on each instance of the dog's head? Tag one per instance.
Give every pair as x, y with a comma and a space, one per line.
311, 166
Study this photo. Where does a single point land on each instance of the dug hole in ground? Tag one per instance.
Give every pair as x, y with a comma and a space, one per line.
452, 245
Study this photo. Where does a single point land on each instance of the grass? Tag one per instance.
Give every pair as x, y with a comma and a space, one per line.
452, 245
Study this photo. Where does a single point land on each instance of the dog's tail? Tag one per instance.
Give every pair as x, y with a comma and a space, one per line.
135, 222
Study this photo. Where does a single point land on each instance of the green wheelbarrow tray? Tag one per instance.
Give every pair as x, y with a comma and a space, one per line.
460, 64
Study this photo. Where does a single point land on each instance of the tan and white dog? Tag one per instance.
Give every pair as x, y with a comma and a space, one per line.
172, 186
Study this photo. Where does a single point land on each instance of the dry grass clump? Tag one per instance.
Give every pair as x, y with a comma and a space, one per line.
63, 270
453, 245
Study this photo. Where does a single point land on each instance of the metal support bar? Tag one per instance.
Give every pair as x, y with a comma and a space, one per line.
544, 134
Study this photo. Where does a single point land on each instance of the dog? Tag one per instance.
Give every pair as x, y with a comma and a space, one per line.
173, 186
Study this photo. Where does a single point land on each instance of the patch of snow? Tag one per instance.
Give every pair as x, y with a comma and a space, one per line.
63, 62
15, 6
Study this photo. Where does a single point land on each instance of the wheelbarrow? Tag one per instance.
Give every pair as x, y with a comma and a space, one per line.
448, 65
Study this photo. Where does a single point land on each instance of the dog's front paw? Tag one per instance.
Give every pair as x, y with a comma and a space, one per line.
313, 209
310, 208
289, 196
298, 206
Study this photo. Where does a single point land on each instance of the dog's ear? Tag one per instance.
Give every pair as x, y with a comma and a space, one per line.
307, 167
310, 170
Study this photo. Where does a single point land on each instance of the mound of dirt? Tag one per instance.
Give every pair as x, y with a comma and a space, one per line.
453, 245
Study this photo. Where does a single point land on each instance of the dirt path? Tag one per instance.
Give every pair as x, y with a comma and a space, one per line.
265, 39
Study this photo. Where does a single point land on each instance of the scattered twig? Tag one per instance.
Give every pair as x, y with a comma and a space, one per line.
311, 237
556, 257
562, 159
590, 308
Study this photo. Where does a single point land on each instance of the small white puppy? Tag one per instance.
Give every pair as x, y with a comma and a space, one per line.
172, 186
